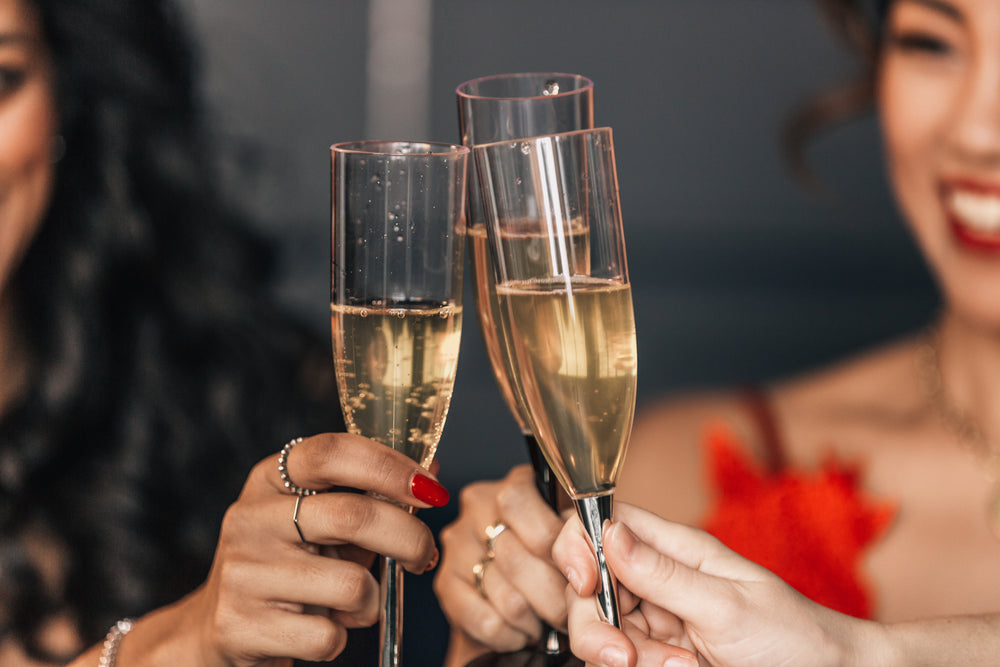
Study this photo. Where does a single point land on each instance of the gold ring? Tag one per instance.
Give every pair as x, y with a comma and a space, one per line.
492, 533
295, 518
479, 571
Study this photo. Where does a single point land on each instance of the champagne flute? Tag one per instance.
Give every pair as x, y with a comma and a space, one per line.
494, 108
398, 239
549, 201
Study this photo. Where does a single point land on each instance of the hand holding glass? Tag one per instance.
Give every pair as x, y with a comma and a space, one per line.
396, 304
554, 226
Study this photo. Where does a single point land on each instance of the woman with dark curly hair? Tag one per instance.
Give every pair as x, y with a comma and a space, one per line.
870, 486
143, 372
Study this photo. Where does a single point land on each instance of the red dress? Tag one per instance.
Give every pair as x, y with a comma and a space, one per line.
810, 527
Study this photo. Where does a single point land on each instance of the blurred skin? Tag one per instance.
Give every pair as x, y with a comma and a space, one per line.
27, 126
938, 102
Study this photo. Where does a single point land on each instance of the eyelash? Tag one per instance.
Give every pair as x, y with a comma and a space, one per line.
916, 42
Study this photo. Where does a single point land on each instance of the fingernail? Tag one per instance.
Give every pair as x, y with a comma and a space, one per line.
434, 561
625, 539
612, 656
428, 490
573, 578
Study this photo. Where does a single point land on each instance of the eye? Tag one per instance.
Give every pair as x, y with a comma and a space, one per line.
920, 43
11, 79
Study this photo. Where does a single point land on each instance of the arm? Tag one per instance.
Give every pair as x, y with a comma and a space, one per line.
269, 595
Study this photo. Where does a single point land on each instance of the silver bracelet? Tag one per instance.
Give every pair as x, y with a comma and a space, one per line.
109, 654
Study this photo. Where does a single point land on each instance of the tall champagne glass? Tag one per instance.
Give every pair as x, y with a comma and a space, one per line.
551, 201
509, 106
396, 306
494, 108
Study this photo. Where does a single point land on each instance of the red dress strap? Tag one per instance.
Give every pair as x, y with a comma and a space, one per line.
756, 403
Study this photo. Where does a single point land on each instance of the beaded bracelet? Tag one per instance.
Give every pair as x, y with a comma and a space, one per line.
109, 654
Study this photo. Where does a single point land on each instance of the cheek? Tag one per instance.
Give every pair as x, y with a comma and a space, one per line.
915, 111
27, 123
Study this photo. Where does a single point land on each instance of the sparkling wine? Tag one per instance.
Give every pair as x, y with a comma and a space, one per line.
536, 260
395, 372
574, 340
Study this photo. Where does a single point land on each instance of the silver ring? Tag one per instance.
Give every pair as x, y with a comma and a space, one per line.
283, 471
295, 518
492, 533
479, 572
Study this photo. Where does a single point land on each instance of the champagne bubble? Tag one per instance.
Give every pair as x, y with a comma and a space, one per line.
551, 88
364, 312
525, 148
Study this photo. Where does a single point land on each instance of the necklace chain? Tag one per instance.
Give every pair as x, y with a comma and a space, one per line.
966, 429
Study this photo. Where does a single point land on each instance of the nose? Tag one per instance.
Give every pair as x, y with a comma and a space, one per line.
975, 131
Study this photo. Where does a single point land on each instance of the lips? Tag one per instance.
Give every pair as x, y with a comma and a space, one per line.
974, 216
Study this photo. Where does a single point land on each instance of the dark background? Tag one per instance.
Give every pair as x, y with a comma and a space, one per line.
739, 274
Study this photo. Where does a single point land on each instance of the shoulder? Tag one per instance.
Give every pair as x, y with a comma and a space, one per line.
847, 405
664, 469
842, 407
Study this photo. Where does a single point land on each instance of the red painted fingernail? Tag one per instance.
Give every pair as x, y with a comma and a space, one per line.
428, 490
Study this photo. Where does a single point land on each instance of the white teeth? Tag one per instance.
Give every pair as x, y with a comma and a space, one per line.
977, 211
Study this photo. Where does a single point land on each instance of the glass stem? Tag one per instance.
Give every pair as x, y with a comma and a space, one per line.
545, 480
594, 511
553, 642
391, 613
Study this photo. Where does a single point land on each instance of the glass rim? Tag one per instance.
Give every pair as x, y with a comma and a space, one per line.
587, 85
482, 148
399, 148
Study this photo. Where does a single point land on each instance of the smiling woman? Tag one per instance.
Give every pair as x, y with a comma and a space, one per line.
144, 369
871, 485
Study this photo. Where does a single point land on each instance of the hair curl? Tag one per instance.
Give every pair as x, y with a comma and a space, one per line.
161, 370
858, 25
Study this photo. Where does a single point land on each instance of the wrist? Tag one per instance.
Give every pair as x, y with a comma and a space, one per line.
861, 643
171, 635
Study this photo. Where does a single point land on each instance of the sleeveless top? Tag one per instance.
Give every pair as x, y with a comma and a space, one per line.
810, 527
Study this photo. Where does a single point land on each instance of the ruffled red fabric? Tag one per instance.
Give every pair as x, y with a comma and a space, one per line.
811, 528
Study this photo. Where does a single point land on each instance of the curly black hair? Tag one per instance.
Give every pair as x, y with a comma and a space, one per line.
162, 369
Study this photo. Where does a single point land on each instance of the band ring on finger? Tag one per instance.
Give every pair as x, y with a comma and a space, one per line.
492, 533
283, 471
479, 572
295, 518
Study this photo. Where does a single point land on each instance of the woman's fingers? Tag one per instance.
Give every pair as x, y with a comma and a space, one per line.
476, 616
329, 460
312, 637
335, 519
594, 640
636, 644
484, 619
308, 580
523, 509
536, 582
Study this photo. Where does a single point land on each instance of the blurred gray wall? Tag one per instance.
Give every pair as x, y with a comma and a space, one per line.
738, 274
